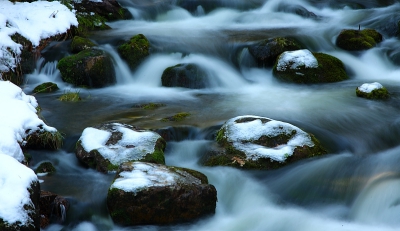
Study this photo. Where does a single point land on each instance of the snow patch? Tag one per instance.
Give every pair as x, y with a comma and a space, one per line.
18, 115
133, 145
144, 175
369, 87
239, 134
296, 59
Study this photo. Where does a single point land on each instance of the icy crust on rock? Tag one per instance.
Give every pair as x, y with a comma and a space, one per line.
34, 21
240, 134
369, 87
296, 59
18, 119
15, 180
144, 175
134, 145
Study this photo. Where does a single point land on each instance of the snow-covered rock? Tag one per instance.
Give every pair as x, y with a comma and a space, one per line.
147, 193
262, 143
296, 59
19, 196
109, 145
372, 91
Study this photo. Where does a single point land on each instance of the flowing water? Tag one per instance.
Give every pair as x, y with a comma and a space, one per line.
355, 187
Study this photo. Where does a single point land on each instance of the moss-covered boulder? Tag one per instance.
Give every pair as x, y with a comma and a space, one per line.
46, 88
302, 66
266, 52
135, 50
372, 91
357, 40
109, 145
19, 196
146, 193
254, 142
41, 138
91, 68
188, 75
45, 167
79, 44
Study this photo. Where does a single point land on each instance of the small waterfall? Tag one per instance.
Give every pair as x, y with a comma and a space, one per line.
63, 212
122, 70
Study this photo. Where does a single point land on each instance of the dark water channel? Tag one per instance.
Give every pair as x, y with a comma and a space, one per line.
355, 187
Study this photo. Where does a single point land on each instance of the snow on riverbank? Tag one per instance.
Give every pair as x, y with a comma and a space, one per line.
34, 21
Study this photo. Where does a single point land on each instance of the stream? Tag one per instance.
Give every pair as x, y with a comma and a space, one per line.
354, 187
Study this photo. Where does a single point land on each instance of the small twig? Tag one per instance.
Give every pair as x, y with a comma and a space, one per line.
53, 14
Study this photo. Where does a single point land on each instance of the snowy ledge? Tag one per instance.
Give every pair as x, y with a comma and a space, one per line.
34, 21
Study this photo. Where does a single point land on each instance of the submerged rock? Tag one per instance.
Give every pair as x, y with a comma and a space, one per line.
357, 40
255, 142
266, 52
302, 66
109, 145
186, 75
146, 193
135, 50
372, 91
91, 68
46, 88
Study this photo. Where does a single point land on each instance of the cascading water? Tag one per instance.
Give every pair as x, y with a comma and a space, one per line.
355, 187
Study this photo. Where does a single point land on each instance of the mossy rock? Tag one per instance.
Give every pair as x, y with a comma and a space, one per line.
135, 50
44, 140
45, 167
252, 142
170, 195
188, 75
266, 52
46, 88
379, 92
91, 68
79, 44
358, 40
148, 146
330, 69
70, 96
177, 117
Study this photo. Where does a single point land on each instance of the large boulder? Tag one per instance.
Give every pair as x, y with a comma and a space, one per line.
19, 196
357, 40
90, 68
188, 75
109, 145
146, 193
302, 66
267, 51
254, 142
135, 50
372, 91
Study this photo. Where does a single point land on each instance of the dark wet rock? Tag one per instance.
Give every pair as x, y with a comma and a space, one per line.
135, 50
109, 145
91, 68
79, 44
52, 208
109, 9
43, 139
297, 9
145, 193
372, 91
46, 88
254, 142
266, 52
302, 66
357, 40
186, 75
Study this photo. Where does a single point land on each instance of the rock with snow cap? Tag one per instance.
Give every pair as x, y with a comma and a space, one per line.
21, 210
107, 146
303, 66
254, 142
372, 91
147, 193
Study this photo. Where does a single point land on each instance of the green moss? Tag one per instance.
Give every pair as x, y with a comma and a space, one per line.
45, 139
88, 22
177, 117
112, 167
70, 96
45, 167
330, 69
381, 93
150, 106
46, 88
135, 50
79, 44
158, 155
356, 40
